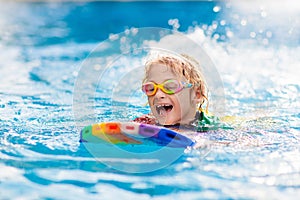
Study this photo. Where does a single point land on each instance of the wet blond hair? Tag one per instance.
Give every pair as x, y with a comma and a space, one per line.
183, 66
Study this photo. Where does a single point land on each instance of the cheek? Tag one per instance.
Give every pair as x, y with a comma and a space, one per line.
184, 98
150, 100
179, 103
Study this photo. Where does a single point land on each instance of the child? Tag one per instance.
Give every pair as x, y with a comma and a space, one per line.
176, 91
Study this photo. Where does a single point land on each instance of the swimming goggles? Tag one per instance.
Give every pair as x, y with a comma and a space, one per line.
168, 87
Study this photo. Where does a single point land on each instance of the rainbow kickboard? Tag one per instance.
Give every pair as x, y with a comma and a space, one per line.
123, 133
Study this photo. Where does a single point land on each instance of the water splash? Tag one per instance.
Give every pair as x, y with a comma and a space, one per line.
256, 50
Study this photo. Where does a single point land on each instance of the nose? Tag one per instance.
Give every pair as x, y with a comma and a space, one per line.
160, 94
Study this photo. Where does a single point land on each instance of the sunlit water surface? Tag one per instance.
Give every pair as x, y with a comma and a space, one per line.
255, 48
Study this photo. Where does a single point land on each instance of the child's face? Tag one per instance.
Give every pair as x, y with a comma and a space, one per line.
174, 108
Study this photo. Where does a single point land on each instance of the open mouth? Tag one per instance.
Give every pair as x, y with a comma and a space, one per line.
163, 109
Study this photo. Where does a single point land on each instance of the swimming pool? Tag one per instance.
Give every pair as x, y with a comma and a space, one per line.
255, 48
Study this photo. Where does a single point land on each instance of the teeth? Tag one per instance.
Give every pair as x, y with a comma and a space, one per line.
163, 105
159, 106
162, 109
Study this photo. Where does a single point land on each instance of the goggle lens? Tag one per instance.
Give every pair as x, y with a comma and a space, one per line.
149, 88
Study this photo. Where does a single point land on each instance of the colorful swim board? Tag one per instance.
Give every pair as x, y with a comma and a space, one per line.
132, 133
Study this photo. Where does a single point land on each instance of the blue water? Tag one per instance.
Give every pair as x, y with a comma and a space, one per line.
255, 48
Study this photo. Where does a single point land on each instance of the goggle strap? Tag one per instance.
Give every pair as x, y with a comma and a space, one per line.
187, 85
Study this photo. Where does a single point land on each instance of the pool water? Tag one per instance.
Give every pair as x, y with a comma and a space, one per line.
255, 48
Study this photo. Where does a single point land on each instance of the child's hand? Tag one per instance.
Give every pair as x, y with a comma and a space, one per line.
145, 119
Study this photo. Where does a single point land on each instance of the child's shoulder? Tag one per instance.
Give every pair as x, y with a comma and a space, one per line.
206, 121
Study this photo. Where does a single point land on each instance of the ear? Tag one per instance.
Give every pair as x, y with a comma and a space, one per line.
198, 96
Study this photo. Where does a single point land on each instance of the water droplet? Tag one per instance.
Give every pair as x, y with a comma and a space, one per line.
265, 41
123, 39
216, 36
113, 37
269, 34
243, 22
252, 34
263, 14
75, 73
174, 23
127, 31
214, 25
229, 34
97, 67
217, 9
222, 22
134, 31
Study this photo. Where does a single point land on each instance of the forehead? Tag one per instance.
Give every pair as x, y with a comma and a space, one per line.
160, 72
